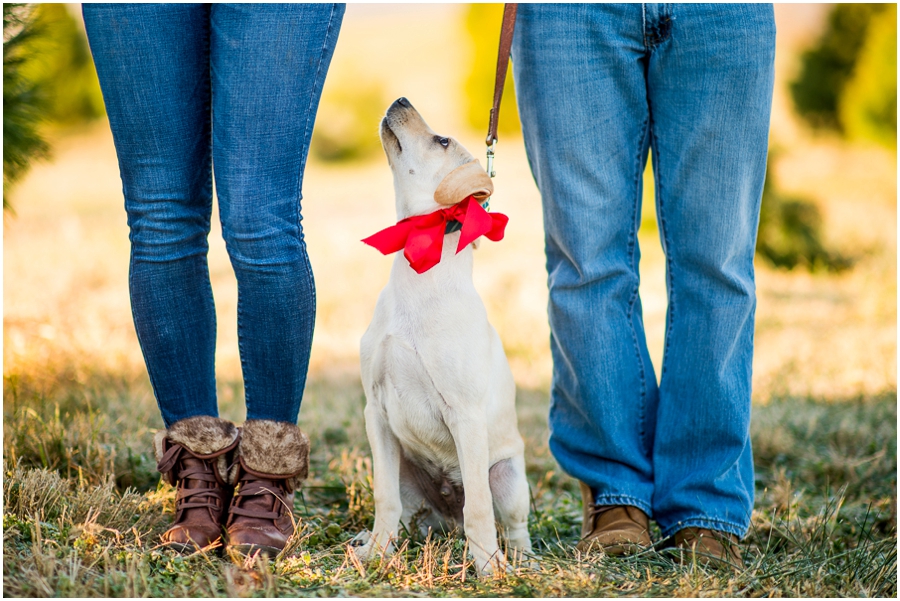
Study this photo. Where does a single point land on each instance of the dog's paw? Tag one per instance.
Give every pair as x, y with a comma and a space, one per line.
491, 570
363, 546
372, 550
360, 539
523, 559
497, 565
528, 564
367, 551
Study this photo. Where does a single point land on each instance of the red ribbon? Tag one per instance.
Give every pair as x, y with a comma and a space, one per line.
422, 237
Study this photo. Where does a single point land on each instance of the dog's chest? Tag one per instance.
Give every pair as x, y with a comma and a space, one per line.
412, 407
426, 356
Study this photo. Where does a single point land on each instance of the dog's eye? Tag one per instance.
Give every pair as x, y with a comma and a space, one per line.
445, 142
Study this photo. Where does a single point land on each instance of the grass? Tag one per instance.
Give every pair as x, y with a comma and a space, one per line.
84, 508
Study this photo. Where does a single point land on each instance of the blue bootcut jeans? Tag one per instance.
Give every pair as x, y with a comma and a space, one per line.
186, 87
598, 85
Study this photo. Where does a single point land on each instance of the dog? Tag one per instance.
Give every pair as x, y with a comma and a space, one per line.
440, 396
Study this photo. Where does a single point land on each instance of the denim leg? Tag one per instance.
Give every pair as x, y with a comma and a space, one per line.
580, 82
268, 64
152, 61
710, 81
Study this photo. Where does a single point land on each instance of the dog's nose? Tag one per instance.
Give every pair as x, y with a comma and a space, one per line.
402, 101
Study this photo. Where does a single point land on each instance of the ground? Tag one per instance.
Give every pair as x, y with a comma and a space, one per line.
83, 506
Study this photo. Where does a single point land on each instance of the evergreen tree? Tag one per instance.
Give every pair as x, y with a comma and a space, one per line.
22, 102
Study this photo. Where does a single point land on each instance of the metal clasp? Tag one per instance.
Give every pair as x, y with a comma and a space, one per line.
490, 159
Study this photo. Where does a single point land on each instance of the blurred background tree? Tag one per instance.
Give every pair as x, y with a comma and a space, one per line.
22, 141
49, 81
847, 83
848, 78
483, 26
790, 230
63, 67
867, 109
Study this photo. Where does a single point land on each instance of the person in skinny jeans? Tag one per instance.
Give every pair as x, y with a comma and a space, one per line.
599, 85
230, 90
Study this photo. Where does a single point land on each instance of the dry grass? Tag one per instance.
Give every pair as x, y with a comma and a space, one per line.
79, 414
824, 523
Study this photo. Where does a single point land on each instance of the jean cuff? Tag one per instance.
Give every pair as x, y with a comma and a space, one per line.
739, 530
608, 499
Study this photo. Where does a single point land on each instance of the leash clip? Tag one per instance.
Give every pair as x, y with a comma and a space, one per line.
486, 203
490, 158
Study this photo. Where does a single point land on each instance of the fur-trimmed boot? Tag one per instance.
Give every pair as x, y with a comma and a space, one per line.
194, 455
273, 460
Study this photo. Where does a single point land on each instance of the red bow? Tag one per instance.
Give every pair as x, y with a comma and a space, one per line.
422, 237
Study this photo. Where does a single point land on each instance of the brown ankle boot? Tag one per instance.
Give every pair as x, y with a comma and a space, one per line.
616, 529
708, 547
273, 459
193, 455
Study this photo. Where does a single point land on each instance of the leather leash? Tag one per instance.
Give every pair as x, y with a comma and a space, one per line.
506, 36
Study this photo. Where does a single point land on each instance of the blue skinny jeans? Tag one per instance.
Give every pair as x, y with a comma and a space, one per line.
597, 86
186, 87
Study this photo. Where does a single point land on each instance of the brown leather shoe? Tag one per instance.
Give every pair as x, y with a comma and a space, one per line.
616, 529
708, 547
193, 455
273, 460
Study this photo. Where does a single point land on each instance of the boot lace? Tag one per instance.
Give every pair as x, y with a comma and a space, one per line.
190, 498
252, 485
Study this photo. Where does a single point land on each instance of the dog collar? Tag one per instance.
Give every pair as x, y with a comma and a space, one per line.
422, 236
455, 226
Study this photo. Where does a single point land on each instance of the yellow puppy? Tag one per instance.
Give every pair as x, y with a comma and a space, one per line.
440, 411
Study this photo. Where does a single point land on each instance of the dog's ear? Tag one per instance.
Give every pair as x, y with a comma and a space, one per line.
464, 181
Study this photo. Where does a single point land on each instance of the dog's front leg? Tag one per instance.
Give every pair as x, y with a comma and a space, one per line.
471, 437
509, 489
386, 473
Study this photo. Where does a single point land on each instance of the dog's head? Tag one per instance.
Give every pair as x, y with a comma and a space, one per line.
430, 170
